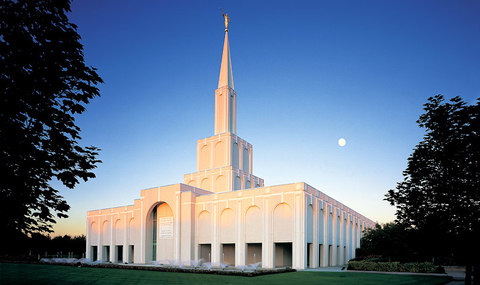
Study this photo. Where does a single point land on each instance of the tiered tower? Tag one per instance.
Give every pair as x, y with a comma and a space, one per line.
224, 161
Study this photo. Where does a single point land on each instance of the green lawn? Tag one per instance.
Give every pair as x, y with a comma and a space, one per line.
54, 274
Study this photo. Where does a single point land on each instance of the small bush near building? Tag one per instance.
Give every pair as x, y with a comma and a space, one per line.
415, 267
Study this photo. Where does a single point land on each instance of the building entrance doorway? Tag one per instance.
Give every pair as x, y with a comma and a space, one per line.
131, 254
254, 253
119, 254
106, 253
321, 263
228, 254
309, 255
205, 252
94, 253
330, 255
283, 254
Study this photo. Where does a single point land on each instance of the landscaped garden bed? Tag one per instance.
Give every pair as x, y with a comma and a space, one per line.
414, 267
205, 268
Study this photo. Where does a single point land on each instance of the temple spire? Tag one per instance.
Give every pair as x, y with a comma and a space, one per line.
226, 76
225, 96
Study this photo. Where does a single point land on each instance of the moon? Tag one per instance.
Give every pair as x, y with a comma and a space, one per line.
342, 142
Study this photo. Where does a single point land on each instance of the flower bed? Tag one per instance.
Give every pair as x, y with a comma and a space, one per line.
246, 271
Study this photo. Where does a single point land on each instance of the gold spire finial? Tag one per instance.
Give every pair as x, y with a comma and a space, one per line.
227, 20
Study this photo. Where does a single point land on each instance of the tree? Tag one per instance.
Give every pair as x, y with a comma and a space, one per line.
389, 241
44, 85
440, 193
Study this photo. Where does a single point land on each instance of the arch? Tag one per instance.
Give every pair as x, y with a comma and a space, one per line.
227, 226
191, 183
248, 184
119, 230
237, 185
204, 157
246, 160
236, 156
321, 225
220, 184
355, 235
204, 227
330, 228
282, 223
205, 184
106, 232
160, 233
337, 229
93, 233
310, 223
253, 225
220, 154
131, 231
351, 239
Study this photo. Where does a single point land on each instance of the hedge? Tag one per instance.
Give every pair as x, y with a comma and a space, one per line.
415, 267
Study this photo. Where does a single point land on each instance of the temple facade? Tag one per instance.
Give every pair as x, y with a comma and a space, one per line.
224, 214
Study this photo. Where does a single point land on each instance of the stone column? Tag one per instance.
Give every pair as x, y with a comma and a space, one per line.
250, 163
215, 257
335, 238
326, 215
268, 254
125, 241
142, 221
315, 257
100, 240
347, 234
177, 220
112, 240
240, 239
187, 230
355, 224
299, 244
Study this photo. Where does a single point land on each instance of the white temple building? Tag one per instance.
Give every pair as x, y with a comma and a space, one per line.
222, 213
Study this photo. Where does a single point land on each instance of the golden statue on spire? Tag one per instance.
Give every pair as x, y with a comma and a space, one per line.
227, 20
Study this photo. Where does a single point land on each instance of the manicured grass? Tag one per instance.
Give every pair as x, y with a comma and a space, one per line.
11, 273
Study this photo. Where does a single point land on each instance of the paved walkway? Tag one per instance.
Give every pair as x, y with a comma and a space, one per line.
458, 273
327, 269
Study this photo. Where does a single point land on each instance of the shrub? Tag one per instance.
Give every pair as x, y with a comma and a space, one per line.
415, 267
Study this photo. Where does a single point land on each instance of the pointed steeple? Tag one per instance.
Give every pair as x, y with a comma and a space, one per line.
226, 76
225, 96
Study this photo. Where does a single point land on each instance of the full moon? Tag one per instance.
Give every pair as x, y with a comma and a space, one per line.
342, 142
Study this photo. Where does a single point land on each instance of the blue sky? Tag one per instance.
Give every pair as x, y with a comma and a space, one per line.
306, 73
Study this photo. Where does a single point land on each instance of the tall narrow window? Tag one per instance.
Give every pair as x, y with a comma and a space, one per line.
154, 232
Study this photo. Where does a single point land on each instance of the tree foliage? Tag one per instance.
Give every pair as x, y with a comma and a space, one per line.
440, 193
389, 241
40, 245
44, 84
397, 242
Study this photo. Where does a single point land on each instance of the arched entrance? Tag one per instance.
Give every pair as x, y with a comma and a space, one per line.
159, 245
282, 235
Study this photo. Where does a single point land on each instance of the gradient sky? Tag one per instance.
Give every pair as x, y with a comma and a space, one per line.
306, 74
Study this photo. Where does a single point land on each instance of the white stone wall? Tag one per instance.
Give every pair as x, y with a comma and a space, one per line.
268, 220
